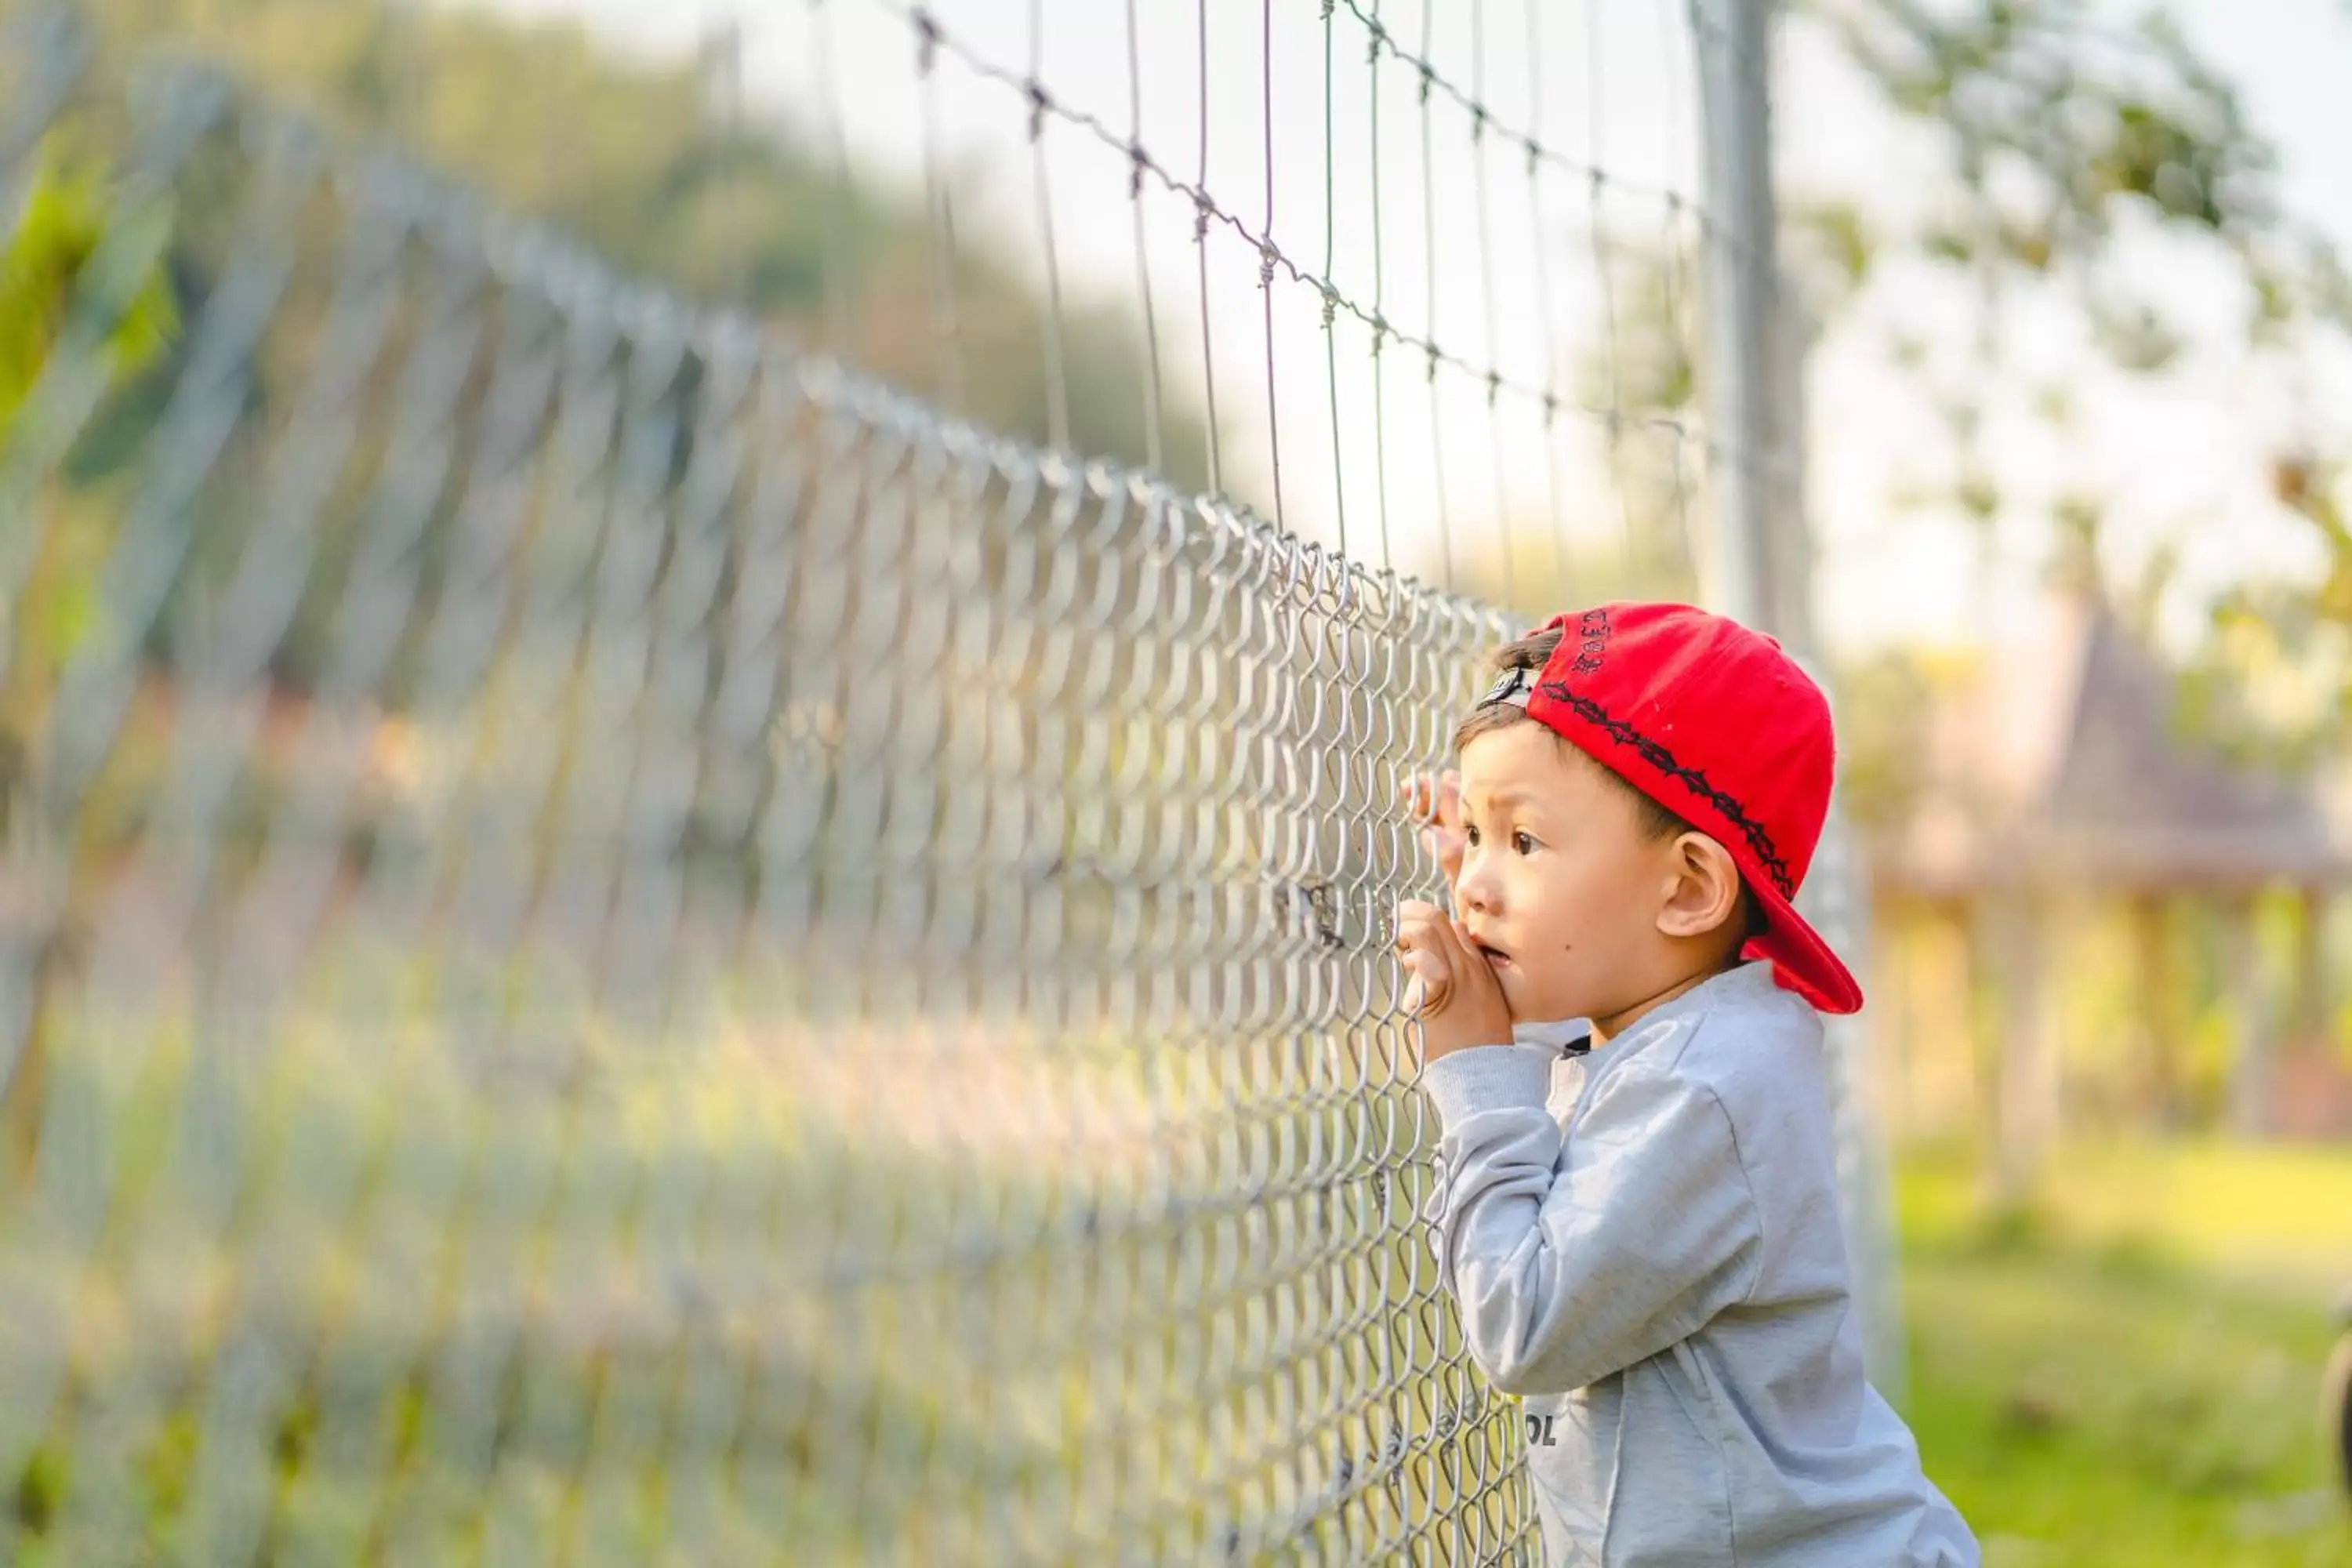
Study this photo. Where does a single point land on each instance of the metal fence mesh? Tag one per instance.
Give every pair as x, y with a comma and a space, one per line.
618, 942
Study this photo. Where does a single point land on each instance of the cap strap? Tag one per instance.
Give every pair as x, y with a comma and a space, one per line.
1512, 686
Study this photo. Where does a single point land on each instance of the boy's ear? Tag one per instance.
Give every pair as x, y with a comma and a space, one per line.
1706, 890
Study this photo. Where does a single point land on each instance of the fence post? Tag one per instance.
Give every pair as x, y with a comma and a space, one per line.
1742, 298
1759, 564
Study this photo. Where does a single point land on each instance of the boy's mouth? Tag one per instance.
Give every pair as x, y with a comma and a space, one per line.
1496, 956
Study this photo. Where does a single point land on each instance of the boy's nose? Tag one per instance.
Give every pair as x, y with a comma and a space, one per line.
1475, 890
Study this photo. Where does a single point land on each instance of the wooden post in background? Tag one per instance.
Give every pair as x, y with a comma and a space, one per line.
2254, 1020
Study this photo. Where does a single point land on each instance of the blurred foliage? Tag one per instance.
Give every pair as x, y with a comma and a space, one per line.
66, 211
2276, 680
1539, 578
1640, 360
1885, 704
2071, 149
646, 161
2060, 140
640, 159
70, 209
2126, 1375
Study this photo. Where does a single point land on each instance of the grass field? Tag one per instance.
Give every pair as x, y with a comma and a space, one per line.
752, 1293
2130, 1376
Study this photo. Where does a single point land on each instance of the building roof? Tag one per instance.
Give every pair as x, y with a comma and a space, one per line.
2069, 767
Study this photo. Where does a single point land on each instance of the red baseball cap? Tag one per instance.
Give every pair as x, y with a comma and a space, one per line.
1719, 726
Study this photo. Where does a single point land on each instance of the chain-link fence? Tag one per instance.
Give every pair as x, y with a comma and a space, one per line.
619, 942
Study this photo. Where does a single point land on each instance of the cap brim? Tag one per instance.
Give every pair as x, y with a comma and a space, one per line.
1801, 962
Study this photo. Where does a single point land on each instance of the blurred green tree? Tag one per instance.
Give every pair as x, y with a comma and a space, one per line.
70, 206
69, 210
2068, 151
650, 165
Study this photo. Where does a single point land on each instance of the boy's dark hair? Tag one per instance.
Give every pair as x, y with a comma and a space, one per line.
1656, 823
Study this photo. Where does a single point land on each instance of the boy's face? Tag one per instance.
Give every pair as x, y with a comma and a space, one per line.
1558, 886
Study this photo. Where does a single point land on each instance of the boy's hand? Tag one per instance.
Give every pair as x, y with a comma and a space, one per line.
1436, 804
1453, 993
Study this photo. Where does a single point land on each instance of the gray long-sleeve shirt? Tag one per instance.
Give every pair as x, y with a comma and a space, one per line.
1653, 1258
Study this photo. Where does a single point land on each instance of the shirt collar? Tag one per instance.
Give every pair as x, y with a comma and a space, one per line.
1741, 986
1572, 1037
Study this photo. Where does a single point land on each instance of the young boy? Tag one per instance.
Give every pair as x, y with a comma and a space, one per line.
1655, 1262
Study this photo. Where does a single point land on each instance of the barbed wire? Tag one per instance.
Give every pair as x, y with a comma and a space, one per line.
932, 38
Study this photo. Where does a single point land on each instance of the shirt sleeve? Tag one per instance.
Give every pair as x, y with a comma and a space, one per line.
1567, 1271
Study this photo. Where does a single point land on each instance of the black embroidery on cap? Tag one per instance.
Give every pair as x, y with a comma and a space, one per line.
1592, 630
1658, 757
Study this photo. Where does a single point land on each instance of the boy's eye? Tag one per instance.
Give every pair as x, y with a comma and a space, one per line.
1524, 843
1470, 836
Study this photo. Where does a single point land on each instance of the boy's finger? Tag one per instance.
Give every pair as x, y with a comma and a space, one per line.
1429, 983
1416, 911
1466, 946
1421, 800
1422, 948
1417, 1001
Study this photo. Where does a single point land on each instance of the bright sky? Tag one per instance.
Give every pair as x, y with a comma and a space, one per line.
1500, 270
